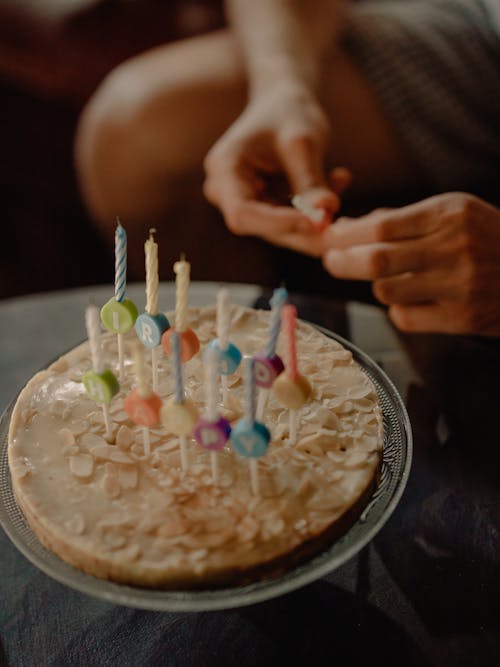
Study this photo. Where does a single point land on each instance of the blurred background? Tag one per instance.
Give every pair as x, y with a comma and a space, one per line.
53, 54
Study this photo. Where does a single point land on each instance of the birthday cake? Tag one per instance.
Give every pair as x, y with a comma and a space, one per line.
119, 510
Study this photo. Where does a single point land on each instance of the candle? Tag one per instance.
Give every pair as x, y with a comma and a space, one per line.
268, 365
291, 388
151, 325
182, 270
250, 438
119, 314
179, 414
142, 405
151, 253
223, 318
228, 354
212, 431
189, 343
277, 300
289, 319
94, 336
100, 383
120, 262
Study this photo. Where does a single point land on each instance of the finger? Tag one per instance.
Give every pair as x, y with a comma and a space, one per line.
306, 244
235, 190
340, 179
379, 260
408, 222
302, 162
266, 220
428, 318
414, 288
303, 166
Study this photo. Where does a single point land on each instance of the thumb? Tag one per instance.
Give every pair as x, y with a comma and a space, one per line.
302, 163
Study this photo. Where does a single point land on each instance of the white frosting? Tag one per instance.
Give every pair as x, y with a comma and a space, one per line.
110, 511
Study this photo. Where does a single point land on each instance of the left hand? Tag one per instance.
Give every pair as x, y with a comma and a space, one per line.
436, 263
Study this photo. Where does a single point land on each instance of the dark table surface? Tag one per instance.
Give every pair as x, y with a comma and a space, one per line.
425, 591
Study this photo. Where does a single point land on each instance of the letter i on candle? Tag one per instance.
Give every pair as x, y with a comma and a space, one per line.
151, 325
212, 431
142, 405
179, 414
249, 437
188, 340
100, 383
228, 355
119, 314
291, 388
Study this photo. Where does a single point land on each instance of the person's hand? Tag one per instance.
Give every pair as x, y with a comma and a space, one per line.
436, 264
284, 132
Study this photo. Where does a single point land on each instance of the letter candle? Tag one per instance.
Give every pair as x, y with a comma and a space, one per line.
228, 354
268, 365
212, 430
250, 438
119, 314
291, 388
189, 343
100, 383
142, 405
179, 414
151, 325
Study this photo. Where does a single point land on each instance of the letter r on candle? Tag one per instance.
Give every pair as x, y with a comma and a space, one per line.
147, 332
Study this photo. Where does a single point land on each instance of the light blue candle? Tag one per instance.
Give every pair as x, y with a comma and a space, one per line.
249, 391
176, 360
120, 262
279, 297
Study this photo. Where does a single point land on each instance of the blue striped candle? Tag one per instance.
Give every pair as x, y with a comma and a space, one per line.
120, 262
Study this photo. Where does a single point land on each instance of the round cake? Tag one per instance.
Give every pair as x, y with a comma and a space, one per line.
110, 510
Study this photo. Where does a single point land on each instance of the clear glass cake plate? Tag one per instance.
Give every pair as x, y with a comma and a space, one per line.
397, 454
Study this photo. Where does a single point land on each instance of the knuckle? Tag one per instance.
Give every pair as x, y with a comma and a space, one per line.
233, 220
378, 263
383, 291
401, 318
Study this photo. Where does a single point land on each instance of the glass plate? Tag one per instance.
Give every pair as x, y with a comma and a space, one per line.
397, 451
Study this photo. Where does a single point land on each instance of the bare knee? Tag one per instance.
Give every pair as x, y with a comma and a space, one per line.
153, 118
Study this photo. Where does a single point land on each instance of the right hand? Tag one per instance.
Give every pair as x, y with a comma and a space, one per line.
284, 132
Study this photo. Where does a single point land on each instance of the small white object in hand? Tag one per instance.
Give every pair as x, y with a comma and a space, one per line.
301, 204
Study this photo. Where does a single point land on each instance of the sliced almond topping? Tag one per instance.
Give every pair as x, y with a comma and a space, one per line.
173, 525
76, 525
21, 467
79, 426
247, 529
128, 476
114, 540
110, 453
111, 486
66, 437
81, 465
90, 440
130, 553
124, 437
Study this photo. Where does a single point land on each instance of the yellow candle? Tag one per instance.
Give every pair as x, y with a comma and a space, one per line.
151, 252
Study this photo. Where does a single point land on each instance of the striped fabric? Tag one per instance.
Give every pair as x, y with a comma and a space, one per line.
435, 66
